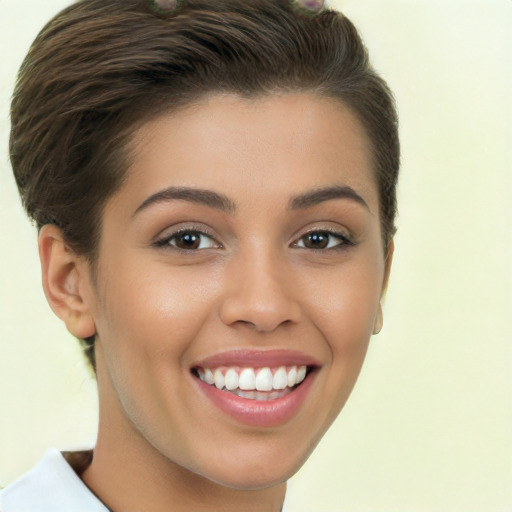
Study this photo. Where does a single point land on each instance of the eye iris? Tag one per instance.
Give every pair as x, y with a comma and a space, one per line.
317, 240
188, 240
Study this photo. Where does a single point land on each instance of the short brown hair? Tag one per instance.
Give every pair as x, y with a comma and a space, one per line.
100, 68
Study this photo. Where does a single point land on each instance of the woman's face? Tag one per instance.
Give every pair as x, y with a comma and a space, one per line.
243, 249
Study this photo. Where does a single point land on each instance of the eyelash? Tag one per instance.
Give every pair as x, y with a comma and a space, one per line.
343, 240
166, 241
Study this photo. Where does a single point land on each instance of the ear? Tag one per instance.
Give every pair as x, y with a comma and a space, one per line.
379, 319
66, 276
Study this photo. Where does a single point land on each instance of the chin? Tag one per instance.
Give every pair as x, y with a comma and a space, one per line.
249, 481
257, 471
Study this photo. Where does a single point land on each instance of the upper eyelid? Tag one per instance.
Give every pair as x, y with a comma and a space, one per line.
332, 231
184, 227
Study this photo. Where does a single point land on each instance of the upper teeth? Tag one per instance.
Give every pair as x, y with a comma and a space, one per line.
246, 379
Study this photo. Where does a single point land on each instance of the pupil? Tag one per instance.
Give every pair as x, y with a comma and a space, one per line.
188, 241
317, 241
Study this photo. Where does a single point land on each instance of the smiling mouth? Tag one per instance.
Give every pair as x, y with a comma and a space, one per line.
261, 384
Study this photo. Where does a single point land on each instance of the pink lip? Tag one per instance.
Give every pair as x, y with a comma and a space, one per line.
258, 413
257, 359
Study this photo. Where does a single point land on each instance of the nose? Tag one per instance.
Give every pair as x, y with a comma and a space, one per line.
260, 293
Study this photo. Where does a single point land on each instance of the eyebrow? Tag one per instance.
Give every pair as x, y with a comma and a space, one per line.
223, 203
193, 195
318, 196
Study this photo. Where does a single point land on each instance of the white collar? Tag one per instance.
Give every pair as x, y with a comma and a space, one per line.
51, 486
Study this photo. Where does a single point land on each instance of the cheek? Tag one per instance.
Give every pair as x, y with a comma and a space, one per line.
346, 309
345, 312
157, 307
147, 325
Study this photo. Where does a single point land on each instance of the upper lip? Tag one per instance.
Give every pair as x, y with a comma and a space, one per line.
257, 359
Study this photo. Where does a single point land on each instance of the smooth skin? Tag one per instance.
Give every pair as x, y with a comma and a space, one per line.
273, 265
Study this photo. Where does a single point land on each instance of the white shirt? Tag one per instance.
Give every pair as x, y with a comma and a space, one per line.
51, 486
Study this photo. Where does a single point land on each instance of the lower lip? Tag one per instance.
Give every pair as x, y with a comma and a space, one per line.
259, 413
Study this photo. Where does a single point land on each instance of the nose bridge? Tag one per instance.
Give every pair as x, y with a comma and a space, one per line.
259, 290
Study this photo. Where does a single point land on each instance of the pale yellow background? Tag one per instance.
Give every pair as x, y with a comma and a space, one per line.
429, 425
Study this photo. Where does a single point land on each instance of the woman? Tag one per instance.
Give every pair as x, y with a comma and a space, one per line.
214, 186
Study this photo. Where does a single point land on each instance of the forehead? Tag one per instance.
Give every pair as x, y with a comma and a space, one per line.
269, 144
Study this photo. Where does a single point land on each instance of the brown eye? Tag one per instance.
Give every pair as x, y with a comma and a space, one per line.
188, 240
316, 240
322, 240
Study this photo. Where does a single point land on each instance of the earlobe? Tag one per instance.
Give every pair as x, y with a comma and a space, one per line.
379, 320
65, 279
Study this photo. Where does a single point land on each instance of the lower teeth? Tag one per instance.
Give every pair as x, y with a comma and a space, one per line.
260, 395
